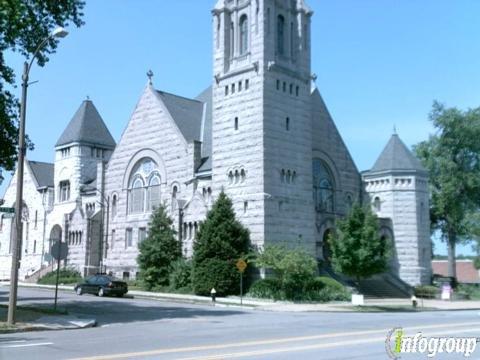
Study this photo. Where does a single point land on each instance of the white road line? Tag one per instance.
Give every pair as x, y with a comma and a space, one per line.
26, 345
12, 342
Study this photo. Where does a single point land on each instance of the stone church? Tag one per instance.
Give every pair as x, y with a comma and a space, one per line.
261, 132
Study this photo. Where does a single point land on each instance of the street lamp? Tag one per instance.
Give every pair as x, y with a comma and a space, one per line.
17, 239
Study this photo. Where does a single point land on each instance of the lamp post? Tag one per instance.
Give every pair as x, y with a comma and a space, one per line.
17, 240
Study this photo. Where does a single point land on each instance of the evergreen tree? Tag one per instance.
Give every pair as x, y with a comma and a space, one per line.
159, 250
357, 248
221, 241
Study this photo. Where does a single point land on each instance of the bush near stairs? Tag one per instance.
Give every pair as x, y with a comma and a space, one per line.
66, 276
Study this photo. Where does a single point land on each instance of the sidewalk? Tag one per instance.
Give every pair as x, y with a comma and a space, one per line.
270, 305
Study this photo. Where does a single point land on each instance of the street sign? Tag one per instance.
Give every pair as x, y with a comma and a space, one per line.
7, 210
241, 265
59, 250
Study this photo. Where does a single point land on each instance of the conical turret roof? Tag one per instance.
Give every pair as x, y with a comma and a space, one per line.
396, 156
87, 126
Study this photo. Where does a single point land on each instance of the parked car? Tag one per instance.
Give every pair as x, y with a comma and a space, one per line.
102, 285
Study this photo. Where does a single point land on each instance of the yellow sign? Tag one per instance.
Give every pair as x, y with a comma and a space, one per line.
241, 265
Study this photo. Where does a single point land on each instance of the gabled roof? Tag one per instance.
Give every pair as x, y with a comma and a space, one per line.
43, 173
396, 156
186, 113
87, 126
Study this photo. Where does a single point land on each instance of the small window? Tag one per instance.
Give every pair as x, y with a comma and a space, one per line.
289, 177
34, 246
297, 91
36, 218
287, 124
294, 177
281, 35
245, 206
226, 90
291, 89
114, 206
278, 84
184, 230
233, 88
239, 86
377, 205
174, 192
247, 84
282, 176
236, 123
284, 86
237, 176
243, 175
128, 238
230, 177
64, 191
126, 275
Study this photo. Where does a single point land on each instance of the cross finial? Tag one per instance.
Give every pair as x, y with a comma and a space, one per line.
88, 98
150, 76
394, 129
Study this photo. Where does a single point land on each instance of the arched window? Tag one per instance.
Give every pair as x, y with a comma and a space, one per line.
243, 175
289, 176
323, 187
377, 204
114, 206
230, 177
144, 187
174, 192
153, 193
137, 196
243, 35
348, 203
287, 124
281, 35
282, 176
237, 176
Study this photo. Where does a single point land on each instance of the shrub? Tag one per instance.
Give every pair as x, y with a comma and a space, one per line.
267, 289
426, 291
181, 275
66, 276
158, 251
319, 289
221, 241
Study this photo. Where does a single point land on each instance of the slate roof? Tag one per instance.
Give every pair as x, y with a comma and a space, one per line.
43, 173
396, 156
206, 98
87, 126
186, 113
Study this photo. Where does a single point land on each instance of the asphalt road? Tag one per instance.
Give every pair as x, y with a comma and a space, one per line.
150, 329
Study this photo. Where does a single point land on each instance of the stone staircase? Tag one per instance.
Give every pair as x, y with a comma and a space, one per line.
45, 269
383, 286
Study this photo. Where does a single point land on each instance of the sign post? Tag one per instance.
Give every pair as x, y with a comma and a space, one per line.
241, 266
59, 252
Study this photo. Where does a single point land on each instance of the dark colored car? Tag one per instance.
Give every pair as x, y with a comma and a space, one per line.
102, 285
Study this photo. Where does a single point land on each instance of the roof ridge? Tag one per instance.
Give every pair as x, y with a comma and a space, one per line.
178, 96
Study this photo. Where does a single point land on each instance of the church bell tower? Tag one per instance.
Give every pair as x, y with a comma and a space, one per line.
262, 145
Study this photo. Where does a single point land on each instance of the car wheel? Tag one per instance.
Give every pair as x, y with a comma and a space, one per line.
79, 290
100, 292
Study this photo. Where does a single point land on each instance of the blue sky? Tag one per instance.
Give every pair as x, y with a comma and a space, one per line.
379, 63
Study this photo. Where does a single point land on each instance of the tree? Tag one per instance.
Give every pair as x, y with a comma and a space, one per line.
221, 241
357, 248
452, 158
294, 269
159, 250
23, 26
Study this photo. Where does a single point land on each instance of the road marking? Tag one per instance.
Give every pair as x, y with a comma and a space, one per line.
283, 341
25, 345
310, 347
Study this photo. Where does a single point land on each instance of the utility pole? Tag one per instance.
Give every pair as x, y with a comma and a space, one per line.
17, 240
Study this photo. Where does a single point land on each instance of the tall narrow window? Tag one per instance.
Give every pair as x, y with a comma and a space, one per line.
292, 40
243, 35
287, 124
128, 238
36, 218
174, 192
142, 234
112, 240
281, 35
137, 197
232, 40
153, 193
236, 123
247, 84
114, 206
377, 204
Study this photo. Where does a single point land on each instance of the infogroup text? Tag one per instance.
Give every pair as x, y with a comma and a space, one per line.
397, 343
